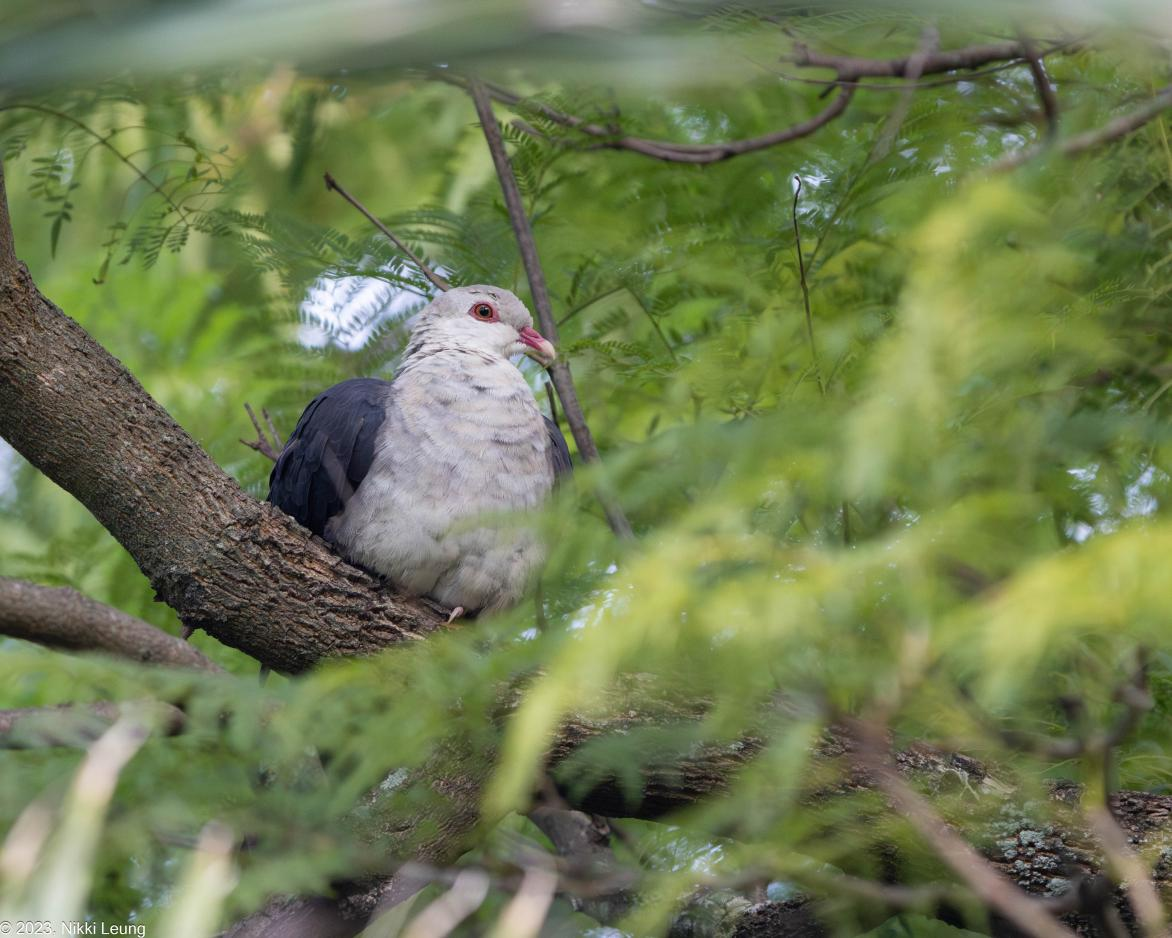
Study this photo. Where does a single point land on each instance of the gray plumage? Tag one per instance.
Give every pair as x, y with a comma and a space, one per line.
415, 479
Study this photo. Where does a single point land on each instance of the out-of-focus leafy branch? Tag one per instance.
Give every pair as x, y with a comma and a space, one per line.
205, 173
1110, 132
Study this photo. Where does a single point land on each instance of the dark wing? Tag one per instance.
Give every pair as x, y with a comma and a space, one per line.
559, 452
330, 452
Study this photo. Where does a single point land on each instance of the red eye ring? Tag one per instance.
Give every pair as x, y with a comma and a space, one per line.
484, 312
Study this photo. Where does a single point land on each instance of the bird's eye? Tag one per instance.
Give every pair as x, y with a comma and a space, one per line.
485, 312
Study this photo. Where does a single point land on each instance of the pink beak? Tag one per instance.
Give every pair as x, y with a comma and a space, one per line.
539, 348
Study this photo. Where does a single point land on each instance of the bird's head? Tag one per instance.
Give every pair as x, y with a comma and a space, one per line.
485, 318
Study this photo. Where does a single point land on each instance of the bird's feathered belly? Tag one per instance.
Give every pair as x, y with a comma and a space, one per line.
437, 513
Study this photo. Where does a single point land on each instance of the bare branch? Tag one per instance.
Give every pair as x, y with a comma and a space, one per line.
63, 618
805, 287
695, 153
559, 371
277, 444
1043, 86
915, 68
1071, 45
849, 68
849, 74
436, 280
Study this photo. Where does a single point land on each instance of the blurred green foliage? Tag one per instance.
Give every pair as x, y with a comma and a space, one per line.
951, 505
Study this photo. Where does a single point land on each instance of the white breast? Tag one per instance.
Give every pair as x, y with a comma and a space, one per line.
462, 449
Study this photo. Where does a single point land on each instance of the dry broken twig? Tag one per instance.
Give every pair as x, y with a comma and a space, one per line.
267, 446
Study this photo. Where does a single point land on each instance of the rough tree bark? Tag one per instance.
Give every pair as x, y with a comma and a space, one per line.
62, 618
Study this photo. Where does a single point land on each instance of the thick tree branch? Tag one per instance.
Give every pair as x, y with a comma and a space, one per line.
1022, 858
59, 617
559, 371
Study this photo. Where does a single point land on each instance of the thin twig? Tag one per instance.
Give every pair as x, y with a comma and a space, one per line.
436, 280
104, 141
805, 287
277, 444
261, 444
581, 881
846, 519
559, 372
654, 323
915, 68
1098, 747
553, 401
1141, 892
850, 71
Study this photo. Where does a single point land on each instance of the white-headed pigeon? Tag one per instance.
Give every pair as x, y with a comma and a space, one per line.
405, 477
